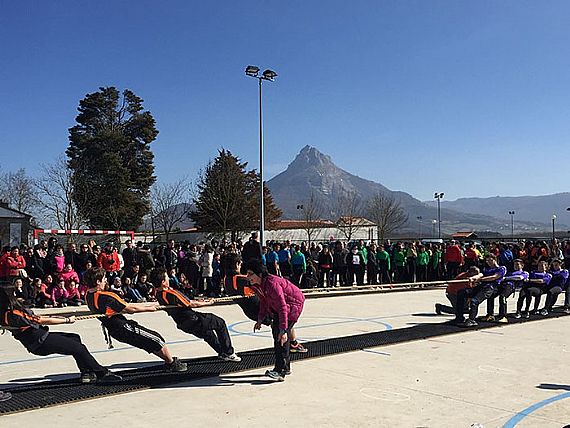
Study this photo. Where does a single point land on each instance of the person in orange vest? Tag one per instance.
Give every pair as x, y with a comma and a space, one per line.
454, 288
206, 326
117, 326
31, 331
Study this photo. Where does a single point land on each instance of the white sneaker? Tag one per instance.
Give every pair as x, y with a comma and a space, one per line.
234, 358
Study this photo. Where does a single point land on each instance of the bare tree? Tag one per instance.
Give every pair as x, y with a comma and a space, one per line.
387, 213
311, 212
18, 190
170, 204
350, 209
54, 189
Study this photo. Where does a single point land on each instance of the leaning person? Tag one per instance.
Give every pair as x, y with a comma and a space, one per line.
121, 328
236, 284
285, 301
31, 331
488, 283
206, 326
459, 283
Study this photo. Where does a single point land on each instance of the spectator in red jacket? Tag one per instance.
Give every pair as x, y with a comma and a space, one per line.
454, 259
109, 260
3, 266
15, 262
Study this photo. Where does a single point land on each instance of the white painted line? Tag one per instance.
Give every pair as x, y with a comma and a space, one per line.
376, 352
383, 395
496, 370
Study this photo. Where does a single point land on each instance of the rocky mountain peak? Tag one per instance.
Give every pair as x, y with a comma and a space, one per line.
311, 157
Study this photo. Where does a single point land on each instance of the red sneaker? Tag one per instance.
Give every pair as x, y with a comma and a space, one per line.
298, 348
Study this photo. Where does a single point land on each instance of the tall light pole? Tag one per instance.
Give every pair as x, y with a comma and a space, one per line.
439, 197
420, 218
433, 223
512, 214
553, 233
270, 75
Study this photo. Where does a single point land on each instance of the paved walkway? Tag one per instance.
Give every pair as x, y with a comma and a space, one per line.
505, 377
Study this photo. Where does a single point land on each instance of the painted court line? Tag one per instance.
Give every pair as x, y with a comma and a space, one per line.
511, 423
376, 352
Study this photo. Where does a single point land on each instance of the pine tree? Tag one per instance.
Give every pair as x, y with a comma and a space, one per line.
228, 198
110, 158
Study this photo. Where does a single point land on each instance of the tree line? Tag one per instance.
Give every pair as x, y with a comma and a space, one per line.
106, 180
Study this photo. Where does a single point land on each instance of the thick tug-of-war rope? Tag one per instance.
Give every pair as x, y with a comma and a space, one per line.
323, 291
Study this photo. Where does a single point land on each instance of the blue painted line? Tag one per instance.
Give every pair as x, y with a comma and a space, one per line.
231, 330
346, 320
511, 423
376, 352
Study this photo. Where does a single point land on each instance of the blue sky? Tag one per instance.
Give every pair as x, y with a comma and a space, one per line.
468, 98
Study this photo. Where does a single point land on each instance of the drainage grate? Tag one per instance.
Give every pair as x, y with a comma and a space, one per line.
29, 397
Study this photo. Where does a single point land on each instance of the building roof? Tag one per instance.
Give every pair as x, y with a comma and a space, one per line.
300, 224
345, 221
464, 235
7, 212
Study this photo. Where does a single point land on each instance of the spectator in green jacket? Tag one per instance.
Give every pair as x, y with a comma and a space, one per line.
422, 261
298, 264
383, 263
436, 265
400, 263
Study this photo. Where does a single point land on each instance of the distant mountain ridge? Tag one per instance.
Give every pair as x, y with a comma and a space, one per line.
314, 172
537, 209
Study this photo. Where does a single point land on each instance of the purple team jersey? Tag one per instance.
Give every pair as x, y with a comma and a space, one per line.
499, 270
545, 276
517, 277
559, 277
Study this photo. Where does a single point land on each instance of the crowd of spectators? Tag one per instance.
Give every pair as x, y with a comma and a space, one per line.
49, 275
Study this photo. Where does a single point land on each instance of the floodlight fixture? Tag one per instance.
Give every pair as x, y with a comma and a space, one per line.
269, 75
252, 70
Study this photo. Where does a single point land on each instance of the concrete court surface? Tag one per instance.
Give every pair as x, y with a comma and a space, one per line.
515, 375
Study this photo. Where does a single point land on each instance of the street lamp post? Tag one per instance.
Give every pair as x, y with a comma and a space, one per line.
270, 75
512, 214
439, 197
553, 231
433, 223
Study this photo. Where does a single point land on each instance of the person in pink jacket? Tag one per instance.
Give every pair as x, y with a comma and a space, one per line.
59, 294
284, 301
68, 275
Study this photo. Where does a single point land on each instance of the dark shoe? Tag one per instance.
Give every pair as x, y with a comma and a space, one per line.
5, 396
176, 366
544, 312
470, 323
527, 315
438, 308
88, 378
109, 378
275, 375
286, 372
517, 316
